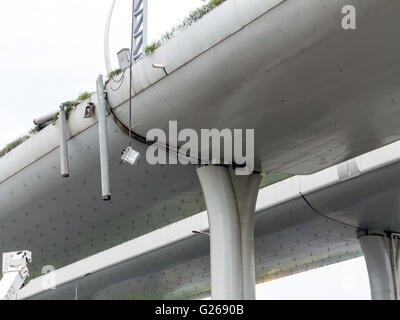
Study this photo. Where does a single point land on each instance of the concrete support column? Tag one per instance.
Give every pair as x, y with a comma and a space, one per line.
230, 204
381, 254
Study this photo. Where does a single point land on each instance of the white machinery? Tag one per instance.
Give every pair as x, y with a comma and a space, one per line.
15, 272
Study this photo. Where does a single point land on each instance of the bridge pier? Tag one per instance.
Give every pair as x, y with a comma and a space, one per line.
231, 202
381, 252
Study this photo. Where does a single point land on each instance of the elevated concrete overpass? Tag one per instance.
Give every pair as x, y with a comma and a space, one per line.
302, 223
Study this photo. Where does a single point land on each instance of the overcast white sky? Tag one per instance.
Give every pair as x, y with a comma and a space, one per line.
52, 50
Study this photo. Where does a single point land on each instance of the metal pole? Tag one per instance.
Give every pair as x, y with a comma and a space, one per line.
63, 144
103, 140
107, 38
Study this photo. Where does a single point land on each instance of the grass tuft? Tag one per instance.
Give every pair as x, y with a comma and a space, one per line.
193, 16
114, 73
84, 95
11, 146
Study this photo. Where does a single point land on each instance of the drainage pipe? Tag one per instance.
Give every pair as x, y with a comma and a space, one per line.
103, 140
64, 162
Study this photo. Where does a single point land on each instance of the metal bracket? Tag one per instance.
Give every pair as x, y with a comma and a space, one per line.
89, 110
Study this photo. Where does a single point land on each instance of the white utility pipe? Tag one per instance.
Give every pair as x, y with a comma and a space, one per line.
103, 140
64, 161
44, 119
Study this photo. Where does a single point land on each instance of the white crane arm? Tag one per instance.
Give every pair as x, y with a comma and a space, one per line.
15, 272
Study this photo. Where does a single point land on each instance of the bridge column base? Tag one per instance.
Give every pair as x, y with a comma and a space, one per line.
231, 202
381, 252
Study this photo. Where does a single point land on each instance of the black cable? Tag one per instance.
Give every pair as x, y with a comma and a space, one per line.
121, 78
131, 133
121, 81
142, 139
124, 128
138, 137
329, 218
